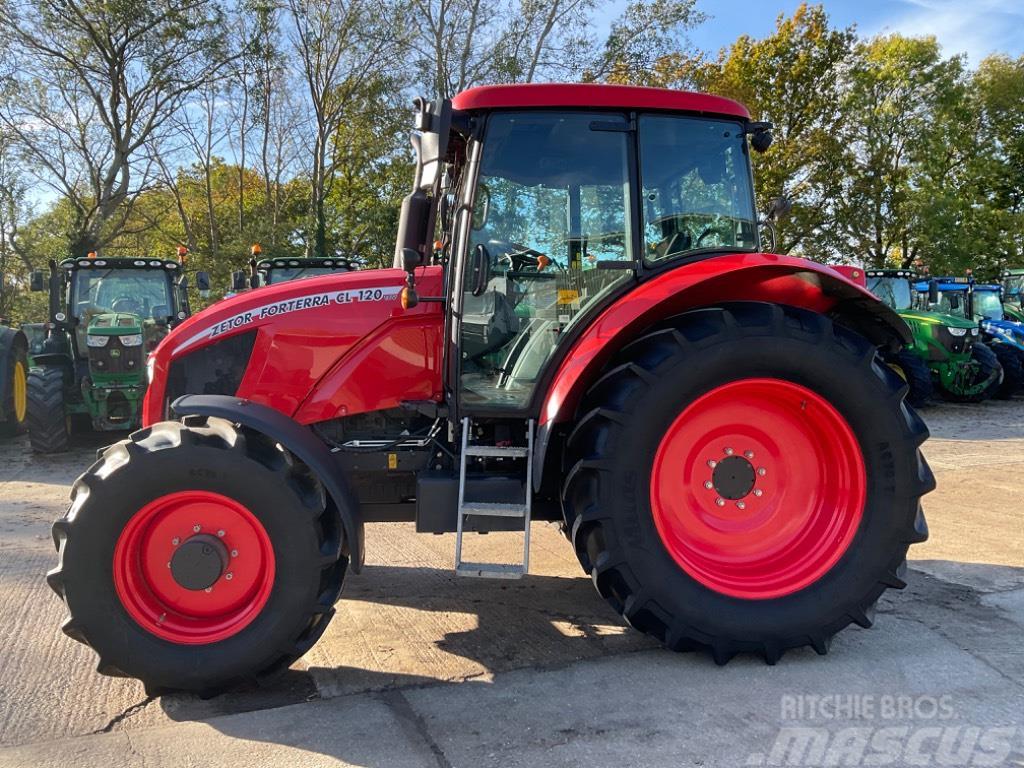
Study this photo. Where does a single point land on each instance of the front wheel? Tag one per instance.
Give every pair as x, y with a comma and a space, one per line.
746, 478
915, 372
13, 412
49, 426
1012, 361
196, 556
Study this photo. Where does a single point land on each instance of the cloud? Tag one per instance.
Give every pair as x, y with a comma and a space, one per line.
975, 27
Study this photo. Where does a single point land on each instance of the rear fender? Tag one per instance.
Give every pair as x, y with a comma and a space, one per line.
736, 277
297, 438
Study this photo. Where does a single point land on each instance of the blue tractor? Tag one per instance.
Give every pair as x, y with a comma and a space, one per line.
983, 303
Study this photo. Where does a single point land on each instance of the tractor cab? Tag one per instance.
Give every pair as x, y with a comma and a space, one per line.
272, 271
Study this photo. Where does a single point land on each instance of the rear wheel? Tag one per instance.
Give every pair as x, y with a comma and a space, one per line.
760, 500
915, 372
193, 557
14, 412
49, 427
1012, 361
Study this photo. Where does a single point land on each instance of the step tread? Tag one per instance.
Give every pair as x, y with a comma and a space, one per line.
499, 451
490, 570
493, 509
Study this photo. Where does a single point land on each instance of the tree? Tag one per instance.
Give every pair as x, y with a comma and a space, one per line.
341, 46
88, 85
896, 92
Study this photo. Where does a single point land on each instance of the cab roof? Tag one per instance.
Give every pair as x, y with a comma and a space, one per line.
120, 263
595, 96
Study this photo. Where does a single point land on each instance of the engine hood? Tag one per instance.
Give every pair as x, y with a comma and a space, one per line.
114, 324
935, 318
286, 338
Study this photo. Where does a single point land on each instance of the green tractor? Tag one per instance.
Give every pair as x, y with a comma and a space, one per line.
946, 354
13, 380
106, 315
270, 271
1013, 294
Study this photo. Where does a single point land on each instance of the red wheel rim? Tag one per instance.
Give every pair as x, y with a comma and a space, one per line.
758, 488
148, 590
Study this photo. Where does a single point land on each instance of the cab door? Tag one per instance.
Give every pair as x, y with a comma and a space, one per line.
551, 232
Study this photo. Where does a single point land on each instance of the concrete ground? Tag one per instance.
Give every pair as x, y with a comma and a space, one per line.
418, 669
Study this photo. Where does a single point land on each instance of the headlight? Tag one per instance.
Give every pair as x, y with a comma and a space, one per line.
956, 331
974, 331
96, 341
132, 340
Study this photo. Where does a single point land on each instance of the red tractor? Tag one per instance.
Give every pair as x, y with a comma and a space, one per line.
580, 327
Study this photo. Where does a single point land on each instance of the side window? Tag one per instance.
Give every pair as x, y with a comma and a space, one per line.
552, 203
695, 182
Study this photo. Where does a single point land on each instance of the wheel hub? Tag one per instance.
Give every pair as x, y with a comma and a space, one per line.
733, 477
199, 562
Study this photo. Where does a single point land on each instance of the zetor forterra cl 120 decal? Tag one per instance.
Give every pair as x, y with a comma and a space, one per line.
298, 304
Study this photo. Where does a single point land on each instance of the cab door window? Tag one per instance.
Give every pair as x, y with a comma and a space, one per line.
552, 207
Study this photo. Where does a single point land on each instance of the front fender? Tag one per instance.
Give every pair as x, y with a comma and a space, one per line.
297, 438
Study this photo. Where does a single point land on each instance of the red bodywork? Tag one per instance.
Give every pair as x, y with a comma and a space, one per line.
352, 356
593, 96
325, 346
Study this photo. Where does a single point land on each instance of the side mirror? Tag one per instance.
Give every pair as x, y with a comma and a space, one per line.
411, 258
203, 284
238, 281
779, 208
760, 136
933, 292
37, 280
254, 281
479, 270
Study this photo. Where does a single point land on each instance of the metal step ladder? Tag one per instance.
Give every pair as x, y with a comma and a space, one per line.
494, 509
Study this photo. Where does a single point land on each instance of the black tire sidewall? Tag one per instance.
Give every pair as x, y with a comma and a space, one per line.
866, 400
87, 564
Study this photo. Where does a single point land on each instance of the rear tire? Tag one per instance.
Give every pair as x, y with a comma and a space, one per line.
1012, 361
614, 452
13, 414
49, 430
109, 575
915, 372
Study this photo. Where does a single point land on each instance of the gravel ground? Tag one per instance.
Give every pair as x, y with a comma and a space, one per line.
419, 668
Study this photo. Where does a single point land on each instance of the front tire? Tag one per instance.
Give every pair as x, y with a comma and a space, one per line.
1012, 361
915, 372
194, 557
13, 414
49, 427
703, 554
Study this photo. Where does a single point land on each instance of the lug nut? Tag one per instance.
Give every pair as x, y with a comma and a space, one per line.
234, 553
229, 575
740, 505
728, 451
175, 541
712, 463
762, 471
720, 501
196, 528
708, 484
749, 454
208, 589
758, 492
168, 563
221, 534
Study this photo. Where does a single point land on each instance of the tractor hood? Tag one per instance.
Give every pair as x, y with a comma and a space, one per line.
276, 344
1008, 331
934, 318
114, 324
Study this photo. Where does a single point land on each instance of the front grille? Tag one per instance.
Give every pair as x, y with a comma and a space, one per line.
115, 358
213, 370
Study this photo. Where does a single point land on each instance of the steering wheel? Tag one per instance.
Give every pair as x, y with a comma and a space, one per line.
126, 304
520, 256
700, 238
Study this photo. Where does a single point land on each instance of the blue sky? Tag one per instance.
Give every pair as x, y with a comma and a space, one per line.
974, 27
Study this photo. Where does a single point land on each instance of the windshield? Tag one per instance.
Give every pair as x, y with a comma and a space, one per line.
284, 274
142, 292
1015, 287
894, 291
988, 304
696, 192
